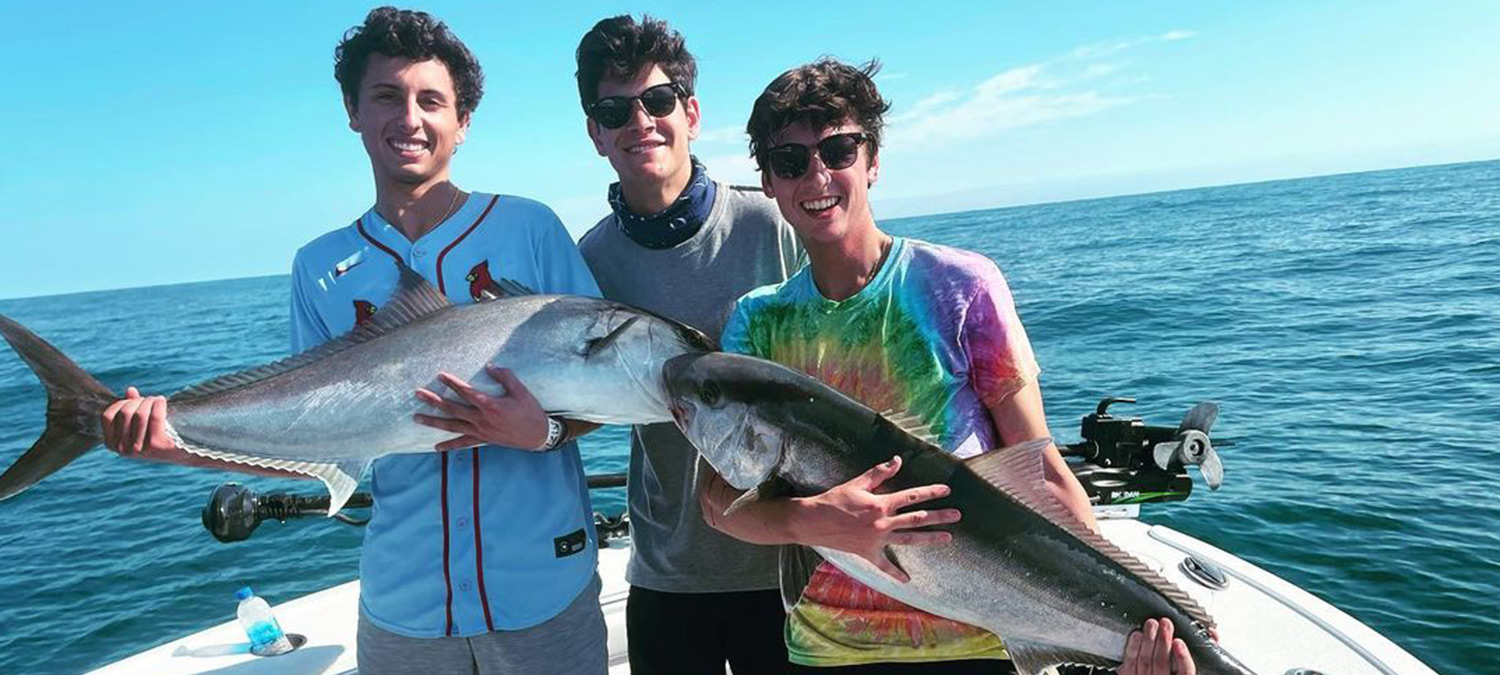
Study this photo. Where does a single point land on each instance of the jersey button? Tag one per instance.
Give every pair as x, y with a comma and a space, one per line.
419, 252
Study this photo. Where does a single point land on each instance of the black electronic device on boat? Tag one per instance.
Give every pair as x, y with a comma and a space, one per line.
1122, 460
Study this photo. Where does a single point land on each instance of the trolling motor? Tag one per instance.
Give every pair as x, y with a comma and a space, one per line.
234, 511
1121, 460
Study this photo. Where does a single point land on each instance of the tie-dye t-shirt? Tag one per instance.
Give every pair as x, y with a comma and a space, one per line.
935, 333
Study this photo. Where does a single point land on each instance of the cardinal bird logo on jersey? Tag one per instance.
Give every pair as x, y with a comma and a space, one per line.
364, 310
481, 285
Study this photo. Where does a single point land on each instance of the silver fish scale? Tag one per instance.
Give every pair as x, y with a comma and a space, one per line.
358, 403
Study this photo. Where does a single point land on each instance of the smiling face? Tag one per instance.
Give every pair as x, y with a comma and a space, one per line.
407, 116
824, 205
647, 151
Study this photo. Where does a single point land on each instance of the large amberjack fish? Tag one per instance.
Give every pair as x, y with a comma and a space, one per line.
330, 411
1020, 565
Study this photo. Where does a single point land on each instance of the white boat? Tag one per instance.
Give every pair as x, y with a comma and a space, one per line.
1270, 624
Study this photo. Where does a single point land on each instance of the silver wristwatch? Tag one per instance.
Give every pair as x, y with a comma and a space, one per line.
555, 431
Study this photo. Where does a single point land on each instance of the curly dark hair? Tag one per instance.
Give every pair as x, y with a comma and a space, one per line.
823, 94
412, 35
618, 47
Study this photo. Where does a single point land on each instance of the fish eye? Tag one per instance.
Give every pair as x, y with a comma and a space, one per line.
709, 393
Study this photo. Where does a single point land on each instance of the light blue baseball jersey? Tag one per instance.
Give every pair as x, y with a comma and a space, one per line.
464, 542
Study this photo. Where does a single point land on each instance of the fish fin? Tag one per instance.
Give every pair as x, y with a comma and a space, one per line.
772, 488
342, 481
1018, 472
796, 567
512, 288
911, 424
341, 478
597, 345
414, 299
969, 448
503, 288
74, 402
1033, 658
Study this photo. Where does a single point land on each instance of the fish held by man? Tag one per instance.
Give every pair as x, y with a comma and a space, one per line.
1054, 590
330, 411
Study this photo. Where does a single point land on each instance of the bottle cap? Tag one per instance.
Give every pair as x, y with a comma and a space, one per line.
243, 593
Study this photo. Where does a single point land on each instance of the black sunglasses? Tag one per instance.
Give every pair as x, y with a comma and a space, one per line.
612, 112
790, 160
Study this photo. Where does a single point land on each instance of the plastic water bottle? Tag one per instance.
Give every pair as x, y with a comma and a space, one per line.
266, 638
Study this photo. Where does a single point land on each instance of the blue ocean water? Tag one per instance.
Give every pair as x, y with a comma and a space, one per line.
1349, 326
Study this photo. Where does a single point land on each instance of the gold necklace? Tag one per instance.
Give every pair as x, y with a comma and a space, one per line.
452, 207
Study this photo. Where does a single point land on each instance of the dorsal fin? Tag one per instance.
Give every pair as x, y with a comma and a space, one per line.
504, 288
414, 299
1018, 471
911, 424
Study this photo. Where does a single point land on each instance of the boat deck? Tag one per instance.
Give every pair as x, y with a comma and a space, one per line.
1271, 625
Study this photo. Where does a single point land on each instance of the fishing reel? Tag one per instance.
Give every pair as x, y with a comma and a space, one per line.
234, 511
1122, 460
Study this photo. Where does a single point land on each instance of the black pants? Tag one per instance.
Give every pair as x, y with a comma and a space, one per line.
690, 633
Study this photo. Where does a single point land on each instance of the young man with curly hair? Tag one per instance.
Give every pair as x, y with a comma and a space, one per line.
678, 243
460, 570
921, 328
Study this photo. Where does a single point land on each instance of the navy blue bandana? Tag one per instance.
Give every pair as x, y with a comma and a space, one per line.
673, 225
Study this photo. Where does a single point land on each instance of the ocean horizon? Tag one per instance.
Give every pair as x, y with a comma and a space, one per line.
876, 205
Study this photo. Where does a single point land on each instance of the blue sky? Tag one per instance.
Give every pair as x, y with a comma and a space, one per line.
163, 142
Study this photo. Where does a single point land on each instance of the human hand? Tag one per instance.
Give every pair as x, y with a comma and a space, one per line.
1153, 651
135, 426
513, 419
853, 517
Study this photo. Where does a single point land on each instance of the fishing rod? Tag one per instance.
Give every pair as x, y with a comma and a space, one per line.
1120, 461
234, 510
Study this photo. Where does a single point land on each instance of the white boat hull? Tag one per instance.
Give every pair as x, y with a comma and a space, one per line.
1271, 625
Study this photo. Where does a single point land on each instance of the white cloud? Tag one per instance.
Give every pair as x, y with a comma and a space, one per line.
737, 168
1027, 95
722, 135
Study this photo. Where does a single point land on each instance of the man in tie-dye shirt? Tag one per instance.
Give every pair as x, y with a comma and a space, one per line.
900, 325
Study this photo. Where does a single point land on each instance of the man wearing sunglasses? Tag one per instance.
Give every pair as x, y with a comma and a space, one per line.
680, 244
922, 329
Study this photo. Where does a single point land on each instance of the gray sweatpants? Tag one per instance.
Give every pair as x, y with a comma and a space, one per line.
571, 643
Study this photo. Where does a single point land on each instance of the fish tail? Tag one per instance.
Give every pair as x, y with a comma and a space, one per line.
74, 402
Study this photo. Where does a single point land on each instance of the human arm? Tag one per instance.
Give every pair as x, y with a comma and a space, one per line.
135, 426
851, 517
1019, 418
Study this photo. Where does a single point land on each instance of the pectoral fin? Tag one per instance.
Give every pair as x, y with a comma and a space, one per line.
773, 487
597, 345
